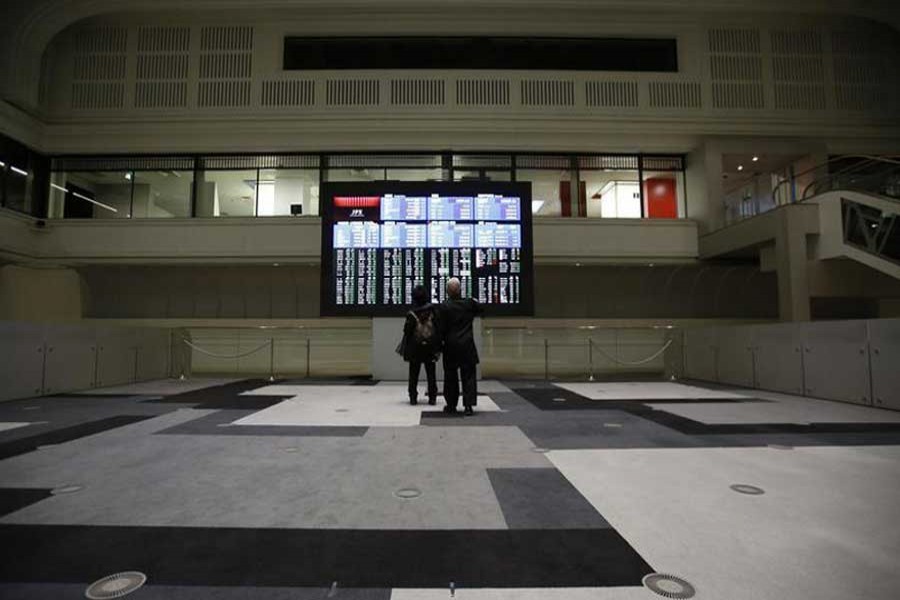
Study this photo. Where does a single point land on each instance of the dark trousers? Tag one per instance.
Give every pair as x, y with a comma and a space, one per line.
452, 375
414, 368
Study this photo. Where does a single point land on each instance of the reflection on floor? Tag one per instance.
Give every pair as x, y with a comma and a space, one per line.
338, 489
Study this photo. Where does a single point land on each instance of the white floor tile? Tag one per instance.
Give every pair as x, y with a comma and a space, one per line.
9, 426
348, 406
818, 531
645, 391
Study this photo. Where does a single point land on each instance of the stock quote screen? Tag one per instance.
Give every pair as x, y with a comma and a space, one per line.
381, 239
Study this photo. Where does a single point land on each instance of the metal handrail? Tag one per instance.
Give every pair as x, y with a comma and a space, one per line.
880, 174
867, 160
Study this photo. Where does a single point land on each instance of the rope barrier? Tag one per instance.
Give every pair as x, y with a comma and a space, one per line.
635, 363
243, 354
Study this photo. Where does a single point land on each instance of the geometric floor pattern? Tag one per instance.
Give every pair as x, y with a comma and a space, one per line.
240, 489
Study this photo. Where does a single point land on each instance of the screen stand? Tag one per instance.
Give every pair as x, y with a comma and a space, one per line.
387, 365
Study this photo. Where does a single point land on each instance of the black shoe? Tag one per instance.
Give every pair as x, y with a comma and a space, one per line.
413, 402
432, 401
450, 410
469, 412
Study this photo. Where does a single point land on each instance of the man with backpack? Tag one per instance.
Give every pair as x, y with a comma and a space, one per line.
421, 344
460, 355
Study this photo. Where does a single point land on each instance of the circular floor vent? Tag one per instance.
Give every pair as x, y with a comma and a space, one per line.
751, 490
668, 586
408, 493
116, 586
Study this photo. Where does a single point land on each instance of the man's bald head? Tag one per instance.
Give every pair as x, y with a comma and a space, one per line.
454, 287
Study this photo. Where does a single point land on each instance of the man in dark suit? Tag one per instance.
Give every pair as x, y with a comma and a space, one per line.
460, 354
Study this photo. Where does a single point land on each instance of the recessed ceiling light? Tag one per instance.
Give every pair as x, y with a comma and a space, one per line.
577, 264
740, 167
755, 158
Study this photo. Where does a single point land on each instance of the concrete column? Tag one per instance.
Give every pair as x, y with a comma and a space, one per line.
791, 264
703, 179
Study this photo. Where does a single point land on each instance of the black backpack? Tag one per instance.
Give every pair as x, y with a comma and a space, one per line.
425, 334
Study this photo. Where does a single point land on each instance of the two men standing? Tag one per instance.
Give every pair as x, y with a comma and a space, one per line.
451, 324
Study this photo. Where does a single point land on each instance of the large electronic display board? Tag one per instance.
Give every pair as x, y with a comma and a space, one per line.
380, 239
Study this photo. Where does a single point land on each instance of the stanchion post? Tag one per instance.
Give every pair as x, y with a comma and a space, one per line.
308, 347
183, 359
591, 359
546, 359
271, 359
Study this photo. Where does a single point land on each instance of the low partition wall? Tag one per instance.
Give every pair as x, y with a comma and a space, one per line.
849, 361
53, 358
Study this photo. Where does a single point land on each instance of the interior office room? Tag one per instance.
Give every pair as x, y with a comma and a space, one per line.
652, 251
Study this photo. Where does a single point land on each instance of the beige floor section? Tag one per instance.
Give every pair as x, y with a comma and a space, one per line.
826, 528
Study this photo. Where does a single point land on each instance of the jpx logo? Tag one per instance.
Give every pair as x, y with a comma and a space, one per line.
356, 212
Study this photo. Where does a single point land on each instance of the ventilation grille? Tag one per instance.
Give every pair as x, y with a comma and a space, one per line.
163, 58
363, 161
163, 39
859, 97
734, 41
674, 94
619, 94
226, 39
863, 72
289, 93
728, 67
543, 162
663, 163
351, 92
482, 92
99, 68
160, 94
475, 161
852, 42
117, 163
286, 161
736, 69
738, 95
226, 64
859, 69
607, 162
796, 42
162, 66
798, 70
800, 96
417, 92
548, 93
102, 40
98, 95
220, 94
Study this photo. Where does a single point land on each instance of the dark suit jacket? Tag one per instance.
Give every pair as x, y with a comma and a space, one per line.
456, 318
